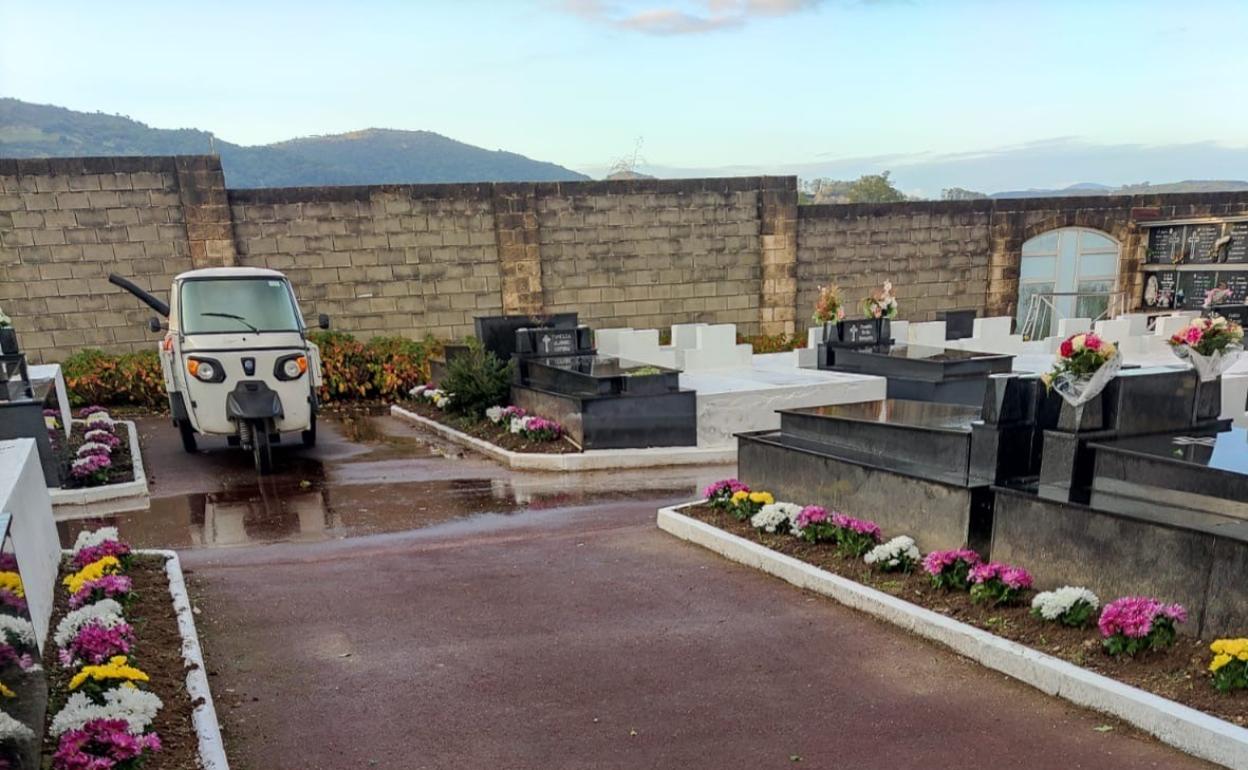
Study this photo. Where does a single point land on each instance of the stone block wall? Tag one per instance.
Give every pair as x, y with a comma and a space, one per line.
409, 259
649, 253
426, 259
66, 223
935, 254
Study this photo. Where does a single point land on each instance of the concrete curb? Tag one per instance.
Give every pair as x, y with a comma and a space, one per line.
592, 460
208, 729
110, 498
1191, 731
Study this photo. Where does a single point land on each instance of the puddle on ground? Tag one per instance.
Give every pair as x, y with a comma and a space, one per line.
269, 513
370, 474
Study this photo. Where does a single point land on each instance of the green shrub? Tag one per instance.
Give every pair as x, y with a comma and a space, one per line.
382, 368
477, 380
128, 379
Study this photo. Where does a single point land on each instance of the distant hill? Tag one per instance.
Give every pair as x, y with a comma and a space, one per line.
1090, 188
372, 156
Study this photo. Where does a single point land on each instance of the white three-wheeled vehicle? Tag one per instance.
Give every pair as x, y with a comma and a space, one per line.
236, 358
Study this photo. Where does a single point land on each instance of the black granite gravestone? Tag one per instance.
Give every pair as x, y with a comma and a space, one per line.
959, 324
498, 333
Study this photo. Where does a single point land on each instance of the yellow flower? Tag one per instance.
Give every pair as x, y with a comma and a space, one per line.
1078, 342
1232, 647
116, 668
739, 496
1108, 350
107, 565
762, 498
6, 692
1219, 661
12, 582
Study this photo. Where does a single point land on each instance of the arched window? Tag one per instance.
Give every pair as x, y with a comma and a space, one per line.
1071, 260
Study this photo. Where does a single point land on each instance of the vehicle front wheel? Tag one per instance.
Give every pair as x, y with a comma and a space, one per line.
188, 436
309, 435
260, 449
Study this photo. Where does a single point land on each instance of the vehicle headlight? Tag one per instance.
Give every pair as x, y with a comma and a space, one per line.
291, 367
205, 369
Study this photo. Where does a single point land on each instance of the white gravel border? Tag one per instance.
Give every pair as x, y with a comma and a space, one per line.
1184, 728
110, 498
211, 747
591, 460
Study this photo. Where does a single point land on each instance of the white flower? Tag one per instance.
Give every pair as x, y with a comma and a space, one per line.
16, 631
135, 706
92, 448
417, 391
894, 552
100, 418
494, 414
95, 434
50, 423
518, 424
776, 517
107, 611
92, 538
1053, 604
13, 730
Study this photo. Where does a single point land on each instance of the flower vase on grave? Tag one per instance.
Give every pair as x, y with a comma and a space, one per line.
8, 341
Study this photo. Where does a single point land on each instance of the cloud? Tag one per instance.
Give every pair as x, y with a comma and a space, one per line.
689, 18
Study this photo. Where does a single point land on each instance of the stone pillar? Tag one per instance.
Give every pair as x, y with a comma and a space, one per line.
777, 213
206, 207
1005, 245
519, 255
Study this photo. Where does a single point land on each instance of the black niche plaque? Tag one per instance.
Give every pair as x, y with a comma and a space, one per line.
1194, 284
1238, 250
1200, 242
1164, 243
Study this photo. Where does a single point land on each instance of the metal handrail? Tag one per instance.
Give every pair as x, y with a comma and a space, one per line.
1042, 305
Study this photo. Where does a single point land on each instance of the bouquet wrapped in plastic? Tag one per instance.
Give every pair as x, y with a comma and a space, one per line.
1085, 365
1211, 345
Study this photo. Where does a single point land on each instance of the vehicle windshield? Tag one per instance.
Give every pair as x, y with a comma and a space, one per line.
233, 305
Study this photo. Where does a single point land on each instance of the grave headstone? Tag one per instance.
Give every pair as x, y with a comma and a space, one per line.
959, 324
498, 333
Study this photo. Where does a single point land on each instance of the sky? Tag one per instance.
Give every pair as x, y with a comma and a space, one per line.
704, 84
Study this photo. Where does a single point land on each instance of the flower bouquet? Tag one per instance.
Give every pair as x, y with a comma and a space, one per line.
1085, 365
829, 311
1211, 345
1219, 295
881, 304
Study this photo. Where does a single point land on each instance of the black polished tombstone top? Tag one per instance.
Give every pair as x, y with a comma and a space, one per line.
498, 333
1203, 471
594, 375
926, 439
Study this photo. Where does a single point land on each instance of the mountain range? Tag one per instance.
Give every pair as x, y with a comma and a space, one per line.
379, 156
371, 156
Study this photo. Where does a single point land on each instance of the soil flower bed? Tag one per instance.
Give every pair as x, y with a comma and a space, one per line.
499, 435
115, 672
1179, 672
97, 452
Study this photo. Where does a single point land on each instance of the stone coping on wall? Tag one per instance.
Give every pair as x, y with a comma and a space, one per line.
479, 190
109, 164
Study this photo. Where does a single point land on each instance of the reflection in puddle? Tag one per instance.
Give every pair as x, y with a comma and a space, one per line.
291, 513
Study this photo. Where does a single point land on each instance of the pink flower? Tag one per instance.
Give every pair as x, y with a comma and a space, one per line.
860, 526
106, 587
1192, 335
811, 514
725, 488
95, 642
937, 562
1092, 342
1013, 577
102, 744
1066, 349
97, 552
1133, 616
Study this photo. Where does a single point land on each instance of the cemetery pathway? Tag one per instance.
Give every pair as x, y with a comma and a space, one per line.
405, 610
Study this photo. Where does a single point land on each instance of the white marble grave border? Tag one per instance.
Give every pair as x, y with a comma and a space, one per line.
591, 460
110, 498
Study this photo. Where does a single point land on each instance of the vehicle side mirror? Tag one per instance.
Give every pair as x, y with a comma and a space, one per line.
322, 321
154, 326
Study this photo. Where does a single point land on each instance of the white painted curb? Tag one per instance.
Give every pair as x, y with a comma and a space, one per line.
591, 460
110, 498
211, 746
1184, 728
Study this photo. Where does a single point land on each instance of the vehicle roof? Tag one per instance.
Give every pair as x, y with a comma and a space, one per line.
230, 272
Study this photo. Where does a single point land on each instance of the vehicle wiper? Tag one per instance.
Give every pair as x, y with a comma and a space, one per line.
238, 318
